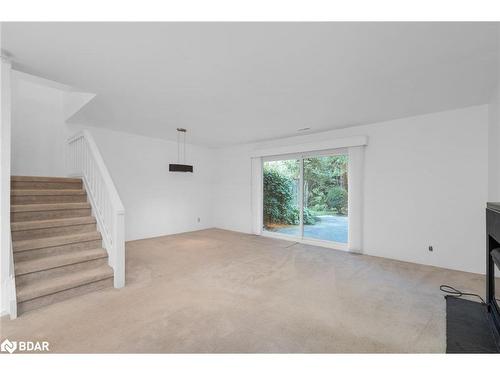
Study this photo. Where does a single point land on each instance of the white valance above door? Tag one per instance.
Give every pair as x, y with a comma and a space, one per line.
329, 144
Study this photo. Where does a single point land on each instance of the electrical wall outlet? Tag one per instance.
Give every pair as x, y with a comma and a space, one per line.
431, 248
199, 220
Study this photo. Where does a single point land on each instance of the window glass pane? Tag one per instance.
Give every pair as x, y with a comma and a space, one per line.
325, 198
281, 205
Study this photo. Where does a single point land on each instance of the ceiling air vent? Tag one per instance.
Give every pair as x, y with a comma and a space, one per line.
180, 167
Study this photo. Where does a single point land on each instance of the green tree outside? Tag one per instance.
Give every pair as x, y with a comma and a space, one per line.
325, 189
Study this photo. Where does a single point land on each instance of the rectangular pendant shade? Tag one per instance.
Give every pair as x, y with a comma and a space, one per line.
180, 168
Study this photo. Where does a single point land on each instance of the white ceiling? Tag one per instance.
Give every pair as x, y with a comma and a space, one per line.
240, 82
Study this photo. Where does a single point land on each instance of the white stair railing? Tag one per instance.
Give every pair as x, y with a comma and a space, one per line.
85, 161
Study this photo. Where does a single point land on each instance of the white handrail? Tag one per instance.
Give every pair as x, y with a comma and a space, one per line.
85, 160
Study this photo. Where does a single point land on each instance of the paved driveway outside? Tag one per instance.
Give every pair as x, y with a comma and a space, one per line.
328, 227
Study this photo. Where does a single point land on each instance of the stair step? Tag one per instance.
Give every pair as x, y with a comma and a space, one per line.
33, 212
21, 256
40, 302
48, 207
76, 262
42, 224
35, 182
28, 192
34, 278
28, 196
40, 243
19, 199
45, 179
26, 230
62, 283
24, 192
50, 262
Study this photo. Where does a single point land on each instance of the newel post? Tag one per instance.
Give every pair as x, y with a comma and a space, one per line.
119, 243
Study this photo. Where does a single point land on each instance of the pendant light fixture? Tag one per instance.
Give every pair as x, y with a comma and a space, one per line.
181, 166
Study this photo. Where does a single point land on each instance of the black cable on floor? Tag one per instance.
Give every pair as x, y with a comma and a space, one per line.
458, 293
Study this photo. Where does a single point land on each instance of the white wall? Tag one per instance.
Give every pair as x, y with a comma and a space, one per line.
494, 136
494, 147
40, 108
426, 183
157, 202
38, 131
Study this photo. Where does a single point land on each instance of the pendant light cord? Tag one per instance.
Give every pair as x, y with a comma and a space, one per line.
183, 131
178, 148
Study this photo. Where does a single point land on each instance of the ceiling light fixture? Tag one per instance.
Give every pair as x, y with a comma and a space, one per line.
181, 132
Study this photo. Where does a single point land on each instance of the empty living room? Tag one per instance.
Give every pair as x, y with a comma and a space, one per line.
224, 187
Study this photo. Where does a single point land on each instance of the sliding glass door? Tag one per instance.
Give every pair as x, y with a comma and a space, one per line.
306, 197
325, 198
281, 196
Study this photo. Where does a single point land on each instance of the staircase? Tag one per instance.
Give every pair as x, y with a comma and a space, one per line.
57, 249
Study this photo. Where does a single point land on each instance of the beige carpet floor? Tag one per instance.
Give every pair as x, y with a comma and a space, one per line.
218, 291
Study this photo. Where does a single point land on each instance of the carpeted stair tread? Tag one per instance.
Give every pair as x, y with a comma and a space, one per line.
53, 223
44, 179
22, 192
40, 243
49, 207
50, 262
72, 280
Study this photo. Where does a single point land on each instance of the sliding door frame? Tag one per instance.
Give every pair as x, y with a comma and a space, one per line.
300, 238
